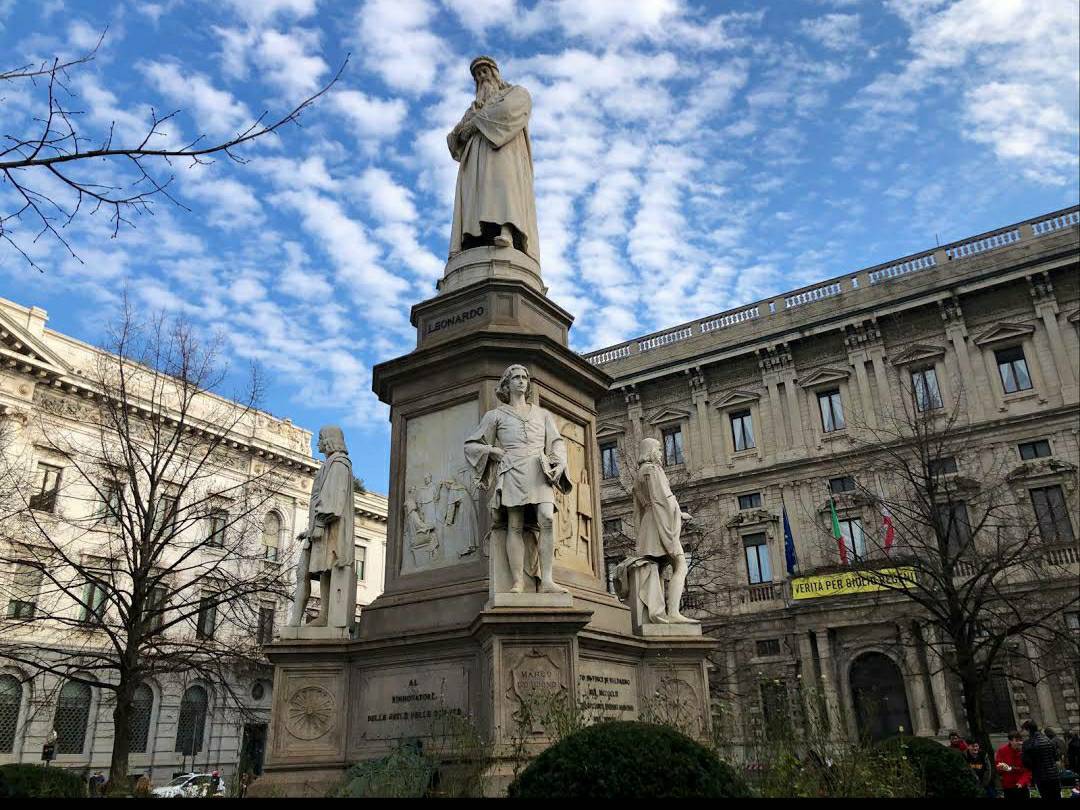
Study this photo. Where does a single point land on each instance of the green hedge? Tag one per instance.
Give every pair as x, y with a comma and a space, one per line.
944, 770
26, 781
628, 760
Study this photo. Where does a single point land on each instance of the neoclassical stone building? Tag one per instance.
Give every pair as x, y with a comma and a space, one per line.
181, 723
760, 410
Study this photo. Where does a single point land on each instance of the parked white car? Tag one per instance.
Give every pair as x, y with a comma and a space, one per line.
190, 786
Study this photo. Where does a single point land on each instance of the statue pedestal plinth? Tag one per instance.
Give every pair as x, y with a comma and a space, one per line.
308, 632
671, 630
445, 637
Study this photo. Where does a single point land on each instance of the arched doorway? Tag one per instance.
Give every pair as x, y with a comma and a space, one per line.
877, 690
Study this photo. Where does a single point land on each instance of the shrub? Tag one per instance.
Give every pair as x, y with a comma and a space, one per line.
628, 760
27, 781
402, 774
944, 770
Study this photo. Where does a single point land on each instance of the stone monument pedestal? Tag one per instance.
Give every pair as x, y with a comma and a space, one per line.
445, 637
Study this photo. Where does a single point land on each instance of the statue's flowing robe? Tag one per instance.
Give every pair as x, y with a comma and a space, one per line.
658, 518
332, 508
495, 178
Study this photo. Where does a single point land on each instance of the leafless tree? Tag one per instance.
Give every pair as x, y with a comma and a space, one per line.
147, 554
987, 571
52, 157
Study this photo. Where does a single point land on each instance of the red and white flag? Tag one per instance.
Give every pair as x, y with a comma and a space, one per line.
887, 525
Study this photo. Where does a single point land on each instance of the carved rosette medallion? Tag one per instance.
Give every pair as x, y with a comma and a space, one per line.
310, 713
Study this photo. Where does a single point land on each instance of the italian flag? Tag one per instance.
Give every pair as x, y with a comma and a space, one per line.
836, 533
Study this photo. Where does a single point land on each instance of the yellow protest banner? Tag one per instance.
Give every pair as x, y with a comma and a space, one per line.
845, 582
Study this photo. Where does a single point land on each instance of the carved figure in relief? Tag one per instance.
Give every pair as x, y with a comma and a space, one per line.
520, 457
328, 552
494, 202
658, 553
421, 538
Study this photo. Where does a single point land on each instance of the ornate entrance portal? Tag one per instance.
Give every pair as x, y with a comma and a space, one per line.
877, 690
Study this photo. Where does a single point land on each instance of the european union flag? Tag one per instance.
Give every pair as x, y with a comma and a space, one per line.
789, 546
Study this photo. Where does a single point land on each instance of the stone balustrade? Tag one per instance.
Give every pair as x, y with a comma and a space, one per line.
852, 283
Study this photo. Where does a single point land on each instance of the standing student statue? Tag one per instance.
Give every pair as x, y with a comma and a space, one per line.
520, 456
328, 553
658, 553
494, 203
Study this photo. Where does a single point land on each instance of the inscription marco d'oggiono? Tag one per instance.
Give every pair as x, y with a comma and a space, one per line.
455, 320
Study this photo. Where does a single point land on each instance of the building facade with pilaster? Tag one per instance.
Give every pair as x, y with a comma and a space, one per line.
180, 724
764, 410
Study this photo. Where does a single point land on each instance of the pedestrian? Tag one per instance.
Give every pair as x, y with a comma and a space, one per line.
979, 762
1059, 744
957, 742
1040, 757
97, 784
1015, 777
1072, 752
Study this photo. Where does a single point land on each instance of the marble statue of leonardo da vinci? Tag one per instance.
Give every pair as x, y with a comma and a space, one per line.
494, 203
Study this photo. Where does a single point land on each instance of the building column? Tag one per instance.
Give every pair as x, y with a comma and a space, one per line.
956, 332
885, 401
859, 338
635, 416
921, 715
777, 432
939, 681
699, 395
830, 685
1047, 707
1046, 307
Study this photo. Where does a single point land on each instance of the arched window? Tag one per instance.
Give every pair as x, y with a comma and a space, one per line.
192, 724
72, 716
10, 703
142, 705
271, 535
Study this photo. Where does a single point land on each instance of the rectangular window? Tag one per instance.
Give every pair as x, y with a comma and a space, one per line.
832, 411
265, 633
218, 520
207, 621
742, 431
758, 568
768, 646
155, 608
25, 587
46, 488
110, 504
925, 387
845, 483
953, 518
1013, 369
609, 460
851, 532
93, 608
750, 501
673, 447
1053, 519
942, 466
1035, 449
165, 514
361, 562
774, 705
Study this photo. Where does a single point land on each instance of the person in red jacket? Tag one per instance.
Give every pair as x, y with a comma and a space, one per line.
1015, 778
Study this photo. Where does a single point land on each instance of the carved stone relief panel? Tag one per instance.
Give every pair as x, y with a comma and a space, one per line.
536, 678
407, 701
574, 510
441, 504
608, 690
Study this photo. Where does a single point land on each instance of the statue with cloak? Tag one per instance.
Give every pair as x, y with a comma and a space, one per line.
494, 203
328, 553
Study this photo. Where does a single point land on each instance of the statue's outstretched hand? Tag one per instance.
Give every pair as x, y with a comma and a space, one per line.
687, 517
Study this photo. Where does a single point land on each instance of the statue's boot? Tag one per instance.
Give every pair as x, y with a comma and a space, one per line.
678, 618
505, 238
517, 587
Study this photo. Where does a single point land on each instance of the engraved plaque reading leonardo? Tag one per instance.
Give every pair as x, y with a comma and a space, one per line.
440, 513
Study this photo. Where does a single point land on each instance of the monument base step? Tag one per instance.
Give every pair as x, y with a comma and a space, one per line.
669, 630
526, 600
314, 633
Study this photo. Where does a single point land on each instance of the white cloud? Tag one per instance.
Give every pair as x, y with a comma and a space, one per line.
398, 45
835, 31
370, 117
215, 112
290, 61
264, 10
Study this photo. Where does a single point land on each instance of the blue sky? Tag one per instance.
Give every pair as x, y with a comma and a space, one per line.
689, 157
